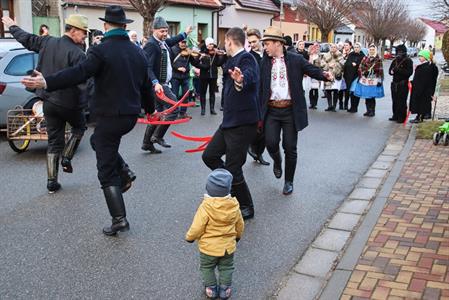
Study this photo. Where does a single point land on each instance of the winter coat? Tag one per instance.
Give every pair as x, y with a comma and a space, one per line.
55, 54
209, 64
349, 70
331, 62
401, 68
217, 224
304, 54
297, 66
423, 87
179, 61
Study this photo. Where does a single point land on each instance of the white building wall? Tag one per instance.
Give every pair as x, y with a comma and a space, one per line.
23, 14
429, 38
233, 16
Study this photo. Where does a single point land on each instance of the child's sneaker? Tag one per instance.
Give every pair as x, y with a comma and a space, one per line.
211, 292
225, 292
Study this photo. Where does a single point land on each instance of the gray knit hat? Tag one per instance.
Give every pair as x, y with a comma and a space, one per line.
159, 22
219, 183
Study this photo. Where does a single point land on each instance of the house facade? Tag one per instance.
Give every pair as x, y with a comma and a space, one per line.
253, 13
292, 24
434, 33
21, 10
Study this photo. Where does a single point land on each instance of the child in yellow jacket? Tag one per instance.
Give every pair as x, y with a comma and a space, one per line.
217, 225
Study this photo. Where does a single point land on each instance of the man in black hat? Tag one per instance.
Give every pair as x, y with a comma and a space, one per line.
63, 106
401, 69
122, 86
159, 54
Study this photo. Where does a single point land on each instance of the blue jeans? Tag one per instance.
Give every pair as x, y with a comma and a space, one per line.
184, 85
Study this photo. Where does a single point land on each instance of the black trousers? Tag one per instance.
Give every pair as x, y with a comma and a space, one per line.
212, 84
332, 98
313, 97
234, 143
399, 94
106, 142
277, 120
258, 145
56, 118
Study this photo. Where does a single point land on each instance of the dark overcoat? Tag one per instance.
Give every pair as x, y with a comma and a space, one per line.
349, 70
120, 70
423, 88
297, 66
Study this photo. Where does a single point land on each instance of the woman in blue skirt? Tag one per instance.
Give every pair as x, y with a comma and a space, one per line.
371, 76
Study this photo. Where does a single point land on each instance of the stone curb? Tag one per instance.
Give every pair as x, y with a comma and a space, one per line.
324, 269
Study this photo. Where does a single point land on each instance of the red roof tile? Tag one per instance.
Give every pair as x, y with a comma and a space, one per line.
291, 16
438, 26
259, 4
126, 4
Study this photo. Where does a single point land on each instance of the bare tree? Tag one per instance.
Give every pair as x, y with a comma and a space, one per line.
326, 14
148, 9
382, 18
440, 8
416, 31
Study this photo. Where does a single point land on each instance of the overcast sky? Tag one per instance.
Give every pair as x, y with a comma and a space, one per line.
419, 8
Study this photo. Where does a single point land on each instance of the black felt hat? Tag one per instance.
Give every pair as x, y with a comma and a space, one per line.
116, 15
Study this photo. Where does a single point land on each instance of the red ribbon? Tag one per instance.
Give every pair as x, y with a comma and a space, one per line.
202, 147
164, 98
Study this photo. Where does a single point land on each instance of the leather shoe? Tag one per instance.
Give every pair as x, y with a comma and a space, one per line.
392, 119
262, 161
66, 165
247, 213
277, 169
118, 224
252, 154
288, 188
53, 186
160, 142
150, 147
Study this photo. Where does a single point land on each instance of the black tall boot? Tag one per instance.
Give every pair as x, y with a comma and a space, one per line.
203, 106
290, 168
52, 172
372, 108
147, 145
329, 101
277, 164
158, 136
127, 176
212, 106
69, 151
354, 104
243, 195
116, 206
340, 100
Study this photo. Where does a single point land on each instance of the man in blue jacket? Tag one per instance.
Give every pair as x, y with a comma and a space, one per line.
241, 114
122, 87
158, 50
283, 103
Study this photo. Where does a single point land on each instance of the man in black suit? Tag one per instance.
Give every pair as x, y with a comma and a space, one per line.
158, 50
241, 114
122, 87
283, 103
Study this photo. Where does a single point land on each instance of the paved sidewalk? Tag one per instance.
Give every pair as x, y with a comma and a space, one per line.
407, 254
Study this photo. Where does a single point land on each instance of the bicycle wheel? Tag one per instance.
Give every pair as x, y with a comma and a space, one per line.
21, 145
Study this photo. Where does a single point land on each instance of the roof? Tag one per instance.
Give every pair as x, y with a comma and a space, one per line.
126, 4
343, 29
290, 16
437, 26
259, 5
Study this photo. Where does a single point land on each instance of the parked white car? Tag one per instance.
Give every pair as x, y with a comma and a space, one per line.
14, 65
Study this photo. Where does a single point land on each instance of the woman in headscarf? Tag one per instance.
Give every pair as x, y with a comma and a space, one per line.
314, 84
423, 86
350, 74
370, 84
331, 62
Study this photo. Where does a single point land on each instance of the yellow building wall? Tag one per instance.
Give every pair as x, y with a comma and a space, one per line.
291, 29
315, 34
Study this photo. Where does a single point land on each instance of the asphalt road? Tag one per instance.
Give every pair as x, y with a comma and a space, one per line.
53, 248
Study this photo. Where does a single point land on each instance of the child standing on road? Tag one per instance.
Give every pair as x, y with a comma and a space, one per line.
217, 225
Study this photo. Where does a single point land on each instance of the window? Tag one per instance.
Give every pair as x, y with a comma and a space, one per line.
7, 9
21, 64
295, 37
173, 28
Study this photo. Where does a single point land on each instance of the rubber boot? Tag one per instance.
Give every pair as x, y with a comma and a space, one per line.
212, 106
147, 145
69, 152
243, 195
116, 206
52, 172
158, 136
203, 106
277, 164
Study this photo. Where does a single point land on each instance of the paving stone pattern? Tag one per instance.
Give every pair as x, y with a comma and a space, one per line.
407, 255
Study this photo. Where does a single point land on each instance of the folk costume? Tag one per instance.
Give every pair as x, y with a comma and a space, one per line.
331, 62
114, 64
62, 106
284, 106
161, 71
241, 113
401, 69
